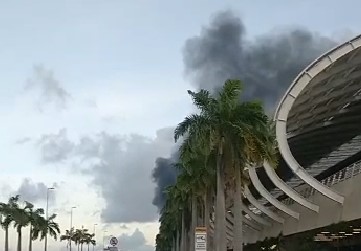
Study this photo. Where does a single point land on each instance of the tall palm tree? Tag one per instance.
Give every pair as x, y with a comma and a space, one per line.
67, 236
181, 201
93, 243
7, 213
21, 219
5, 222
35, 219
208, 193
79, 237
84, 237
170, 221
200, 178
175, 204
235, 131
76, 238
209, 131
88, 239
46, 226
191, 183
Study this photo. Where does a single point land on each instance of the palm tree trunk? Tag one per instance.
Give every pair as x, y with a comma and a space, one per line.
192, 231
189, 242
177, 241
220, 219
30, 239
19, 239
88, 247
46, 241
183, 234
207, 207
174, 244
237, 212
201, 207
7, 238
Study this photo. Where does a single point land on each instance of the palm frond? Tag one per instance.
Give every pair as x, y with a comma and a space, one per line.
203, 101
230, 93
192, 122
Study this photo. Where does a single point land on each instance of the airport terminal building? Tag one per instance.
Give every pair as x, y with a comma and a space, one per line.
316, 190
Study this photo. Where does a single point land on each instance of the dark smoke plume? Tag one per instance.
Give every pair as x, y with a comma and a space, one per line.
164, 174
266, 65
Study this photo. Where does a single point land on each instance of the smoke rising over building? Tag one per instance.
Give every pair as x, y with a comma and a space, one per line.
164, 174
266, 65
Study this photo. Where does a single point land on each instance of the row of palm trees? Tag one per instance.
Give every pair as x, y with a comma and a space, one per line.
218, 143
79, 237
19, 215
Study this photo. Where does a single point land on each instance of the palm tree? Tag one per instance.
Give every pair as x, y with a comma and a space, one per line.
171, 222
181, 204
5, 222
88, 239
225, 137
45, 226
77, 236
189, 182
67, 236
166, 229
84, 237
238, 133
21, 219
7, 211
171, 211
209, 131
200, 178
208, 193
35, 219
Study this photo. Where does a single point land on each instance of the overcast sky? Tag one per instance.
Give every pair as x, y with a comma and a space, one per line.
90, 91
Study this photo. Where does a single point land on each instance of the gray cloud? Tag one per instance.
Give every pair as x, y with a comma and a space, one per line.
23, 141
51, 91
55, 147
134, 242
267, 65
124, 175
122, 169
35, 192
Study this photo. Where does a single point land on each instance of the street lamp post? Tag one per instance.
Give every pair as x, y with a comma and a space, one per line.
105, 231
47, 216
71, 226
94, 236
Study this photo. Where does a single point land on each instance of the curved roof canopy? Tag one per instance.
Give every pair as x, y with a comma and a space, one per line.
323, 123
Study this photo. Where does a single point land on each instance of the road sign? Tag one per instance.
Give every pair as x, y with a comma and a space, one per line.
201, 239
113, 241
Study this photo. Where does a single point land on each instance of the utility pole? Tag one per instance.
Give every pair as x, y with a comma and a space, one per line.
105, 231
47, 216
71, 226
94, 236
